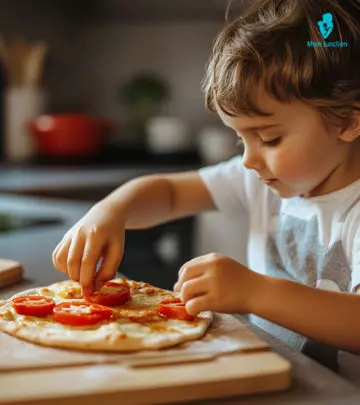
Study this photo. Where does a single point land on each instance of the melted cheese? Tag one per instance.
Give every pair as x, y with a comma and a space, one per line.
70, 292
160, 327
7, 315
108, 290
39, 302
139, 315
77, 309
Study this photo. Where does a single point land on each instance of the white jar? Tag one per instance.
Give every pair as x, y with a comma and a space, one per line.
20, 105
216, 145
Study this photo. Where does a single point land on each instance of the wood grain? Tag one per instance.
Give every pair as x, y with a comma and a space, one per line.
11, 272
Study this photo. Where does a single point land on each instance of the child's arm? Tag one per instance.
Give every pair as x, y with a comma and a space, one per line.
326, 316
150, 200
218, 283
139, 203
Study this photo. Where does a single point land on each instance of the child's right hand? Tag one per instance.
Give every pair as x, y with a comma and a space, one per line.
99, 234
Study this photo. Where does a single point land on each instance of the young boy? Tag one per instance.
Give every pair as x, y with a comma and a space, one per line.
296, 108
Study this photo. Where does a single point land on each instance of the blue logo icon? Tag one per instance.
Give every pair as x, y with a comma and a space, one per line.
326, 25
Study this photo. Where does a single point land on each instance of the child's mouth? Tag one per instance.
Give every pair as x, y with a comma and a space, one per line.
269, 181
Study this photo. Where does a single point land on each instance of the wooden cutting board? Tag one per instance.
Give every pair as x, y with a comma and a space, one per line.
11, 272
235, 362
114, 384
226, 335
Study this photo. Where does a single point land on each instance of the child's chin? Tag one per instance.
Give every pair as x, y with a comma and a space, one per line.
285, 192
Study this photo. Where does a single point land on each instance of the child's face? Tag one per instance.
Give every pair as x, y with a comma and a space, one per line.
297, 155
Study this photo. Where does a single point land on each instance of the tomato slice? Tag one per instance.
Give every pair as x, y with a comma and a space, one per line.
173, 308
111, 294
81, 313
33, 305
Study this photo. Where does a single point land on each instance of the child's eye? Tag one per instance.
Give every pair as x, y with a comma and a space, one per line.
273, 142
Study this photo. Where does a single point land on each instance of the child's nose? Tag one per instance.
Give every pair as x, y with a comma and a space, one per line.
253, 159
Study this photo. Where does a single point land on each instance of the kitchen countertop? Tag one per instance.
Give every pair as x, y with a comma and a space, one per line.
312, 383
33, 247
14, 179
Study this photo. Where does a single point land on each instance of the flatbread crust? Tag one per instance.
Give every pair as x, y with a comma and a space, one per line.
138, 326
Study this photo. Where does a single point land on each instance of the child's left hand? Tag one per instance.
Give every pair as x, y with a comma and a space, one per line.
214, 282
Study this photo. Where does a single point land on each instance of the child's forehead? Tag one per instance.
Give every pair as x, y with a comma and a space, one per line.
274, 111
278, 113
244, 122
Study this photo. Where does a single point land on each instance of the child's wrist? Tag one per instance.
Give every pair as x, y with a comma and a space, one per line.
260, 295
114, 209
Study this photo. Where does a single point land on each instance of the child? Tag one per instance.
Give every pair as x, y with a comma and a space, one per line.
296, 108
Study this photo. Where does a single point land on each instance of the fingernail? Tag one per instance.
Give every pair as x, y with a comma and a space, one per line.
99, 284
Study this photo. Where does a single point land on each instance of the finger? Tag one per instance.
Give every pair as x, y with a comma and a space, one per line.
57, 248
198, 304
63, 239
91, 255
109, 265
189, 271
60, 258
193, 288
56, 251
75, 254
54, 254
196, 261
191, 262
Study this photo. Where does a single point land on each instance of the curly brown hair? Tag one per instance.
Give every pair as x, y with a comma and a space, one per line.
268, 45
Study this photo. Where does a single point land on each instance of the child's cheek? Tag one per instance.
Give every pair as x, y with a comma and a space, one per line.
288, 167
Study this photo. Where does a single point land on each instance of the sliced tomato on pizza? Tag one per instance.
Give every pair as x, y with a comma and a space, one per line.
33, 305
111, 294
81, 313
173, 308
73, 322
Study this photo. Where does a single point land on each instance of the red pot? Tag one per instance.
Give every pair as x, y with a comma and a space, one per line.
69, 134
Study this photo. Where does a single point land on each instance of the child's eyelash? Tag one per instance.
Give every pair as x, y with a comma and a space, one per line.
273, 142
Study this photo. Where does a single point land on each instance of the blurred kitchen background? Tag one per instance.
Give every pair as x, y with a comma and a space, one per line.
92, 94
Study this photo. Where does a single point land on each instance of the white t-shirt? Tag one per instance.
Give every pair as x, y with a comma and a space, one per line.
315, 241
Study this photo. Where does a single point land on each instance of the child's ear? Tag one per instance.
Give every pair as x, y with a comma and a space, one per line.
352, 131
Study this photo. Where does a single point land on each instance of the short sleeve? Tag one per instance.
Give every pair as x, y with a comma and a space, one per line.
231, 186
355, 277
351, 242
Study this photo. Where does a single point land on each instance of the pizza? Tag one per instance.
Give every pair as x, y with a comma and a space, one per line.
125, 315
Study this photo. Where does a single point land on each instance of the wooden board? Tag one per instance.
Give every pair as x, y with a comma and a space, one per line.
253, 369
226, 335
11, 272
228, 375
